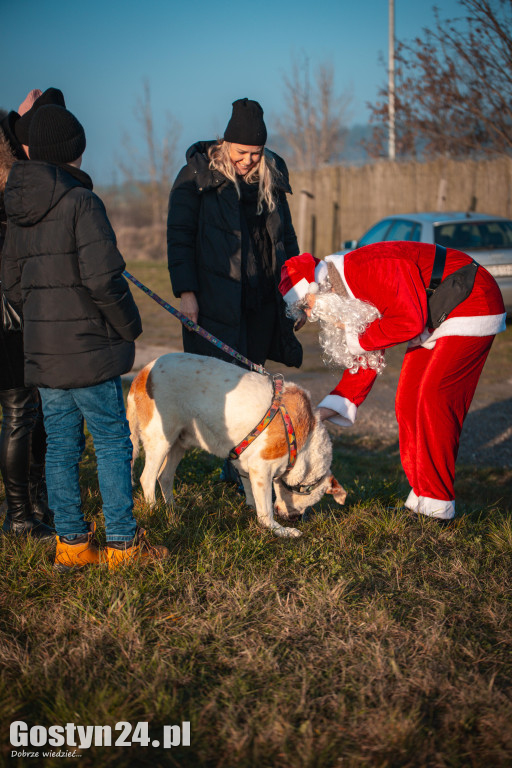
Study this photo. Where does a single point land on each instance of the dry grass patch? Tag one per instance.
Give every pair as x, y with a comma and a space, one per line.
374, 640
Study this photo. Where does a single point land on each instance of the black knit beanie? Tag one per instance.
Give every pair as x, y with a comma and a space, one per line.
246, 125
55, 135
50, 96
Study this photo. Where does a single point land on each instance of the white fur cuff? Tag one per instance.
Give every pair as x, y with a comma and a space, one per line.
345, 409
412, 501
353, 344
440, 508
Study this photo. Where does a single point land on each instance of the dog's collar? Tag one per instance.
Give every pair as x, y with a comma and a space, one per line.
303, 490
276, 406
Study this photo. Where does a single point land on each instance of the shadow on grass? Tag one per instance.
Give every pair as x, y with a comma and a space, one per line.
205, 510
371, 638
487, 435
370, 469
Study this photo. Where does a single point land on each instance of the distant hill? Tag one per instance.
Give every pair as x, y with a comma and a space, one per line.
353, 153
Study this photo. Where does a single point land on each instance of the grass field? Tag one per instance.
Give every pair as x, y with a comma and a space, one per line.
373, 640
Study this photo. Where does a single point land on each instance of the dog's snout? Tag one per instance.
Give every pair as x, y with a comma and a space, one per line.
284, 511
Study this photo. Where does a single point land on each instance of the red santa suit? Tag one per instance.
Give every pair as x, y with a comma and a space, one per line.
441, 368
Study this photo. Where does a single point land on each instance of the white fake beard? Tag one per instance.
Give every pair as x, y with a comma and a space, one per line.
330, 310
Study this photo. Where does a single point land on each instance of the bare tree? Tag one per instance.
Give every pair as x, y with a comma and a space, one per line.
313, 123
453, 86
151, 171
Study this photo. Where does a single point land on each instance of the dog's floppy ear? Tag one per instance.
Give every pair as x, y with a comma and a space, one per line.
337, 491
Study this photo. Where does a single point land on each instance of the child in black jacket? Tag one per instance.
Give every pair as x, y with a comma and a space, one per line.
62, 270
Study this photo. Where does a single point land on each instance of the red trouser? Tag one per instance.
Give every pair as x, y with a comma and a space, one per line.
434, 393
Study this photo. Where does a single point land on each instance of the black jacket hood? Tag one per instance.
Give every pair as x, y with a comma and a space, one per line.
199, 163
35, 187
199, 148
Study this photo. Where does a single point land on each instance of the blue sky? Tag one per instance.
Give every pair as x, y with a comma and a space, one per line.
197, 56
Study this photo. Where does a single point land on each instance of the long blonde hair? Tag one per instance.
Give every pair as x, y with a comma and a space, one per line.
265, 173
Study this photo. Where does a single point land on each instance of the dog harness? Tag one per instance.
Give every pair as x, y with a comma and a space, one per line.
276, 406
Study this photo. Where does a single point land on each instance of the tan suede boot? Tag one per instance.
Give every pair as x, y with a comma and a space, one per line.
138, 550
77, 553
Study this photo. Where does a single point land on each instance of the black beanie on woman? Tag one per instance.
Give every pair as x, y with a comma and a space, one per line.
246, 125
55, 135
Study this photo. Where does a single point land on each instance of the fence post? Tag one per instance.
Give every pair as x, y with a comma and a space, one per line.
303, 205
335, 242
441, 194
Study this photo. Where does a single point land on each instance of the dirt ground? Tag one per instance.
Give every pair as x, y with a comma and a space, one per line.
487, 435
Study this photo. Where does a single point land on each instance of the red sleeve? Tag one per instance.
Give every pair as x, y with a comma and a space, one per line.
355, 386
348, 395
396, 288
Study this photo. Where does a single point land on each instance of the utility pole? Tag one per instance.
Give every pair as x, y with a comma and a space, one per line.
391, 82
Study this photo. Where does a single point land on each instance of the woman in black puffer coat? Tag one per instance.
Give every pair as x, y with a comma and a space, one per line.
229, 232
22, 439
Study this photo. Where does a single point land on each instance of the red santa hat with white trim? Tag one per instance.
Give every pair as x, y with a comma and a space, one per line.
300, 275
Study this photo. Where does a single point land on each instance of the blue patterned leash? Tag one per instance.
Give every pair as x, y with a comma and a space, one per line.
277, 381
188, 323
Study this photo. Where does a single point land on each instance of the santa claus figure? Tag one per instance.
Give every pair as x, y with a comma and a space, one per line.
376, 297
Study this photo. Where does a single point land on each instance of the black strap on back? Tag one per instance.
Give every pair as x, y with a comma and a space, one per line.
444, 295
437, 269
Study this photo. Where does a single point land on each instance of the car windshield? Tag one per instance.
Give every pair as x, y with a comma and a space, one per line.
474, 235
391, 229
376, 233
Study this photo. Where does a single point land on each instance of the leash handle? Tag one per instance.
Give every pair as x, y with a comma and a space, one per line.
188, 323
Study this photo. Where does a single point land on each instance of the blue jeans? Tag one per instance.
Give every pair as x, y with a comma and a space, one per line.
102, 407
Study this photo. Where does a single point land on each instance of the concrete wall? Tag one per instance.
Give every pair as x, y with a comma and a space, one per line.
340, 203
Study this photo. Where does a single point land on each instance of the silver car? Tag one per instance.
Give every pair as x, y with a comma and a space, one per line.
488, 239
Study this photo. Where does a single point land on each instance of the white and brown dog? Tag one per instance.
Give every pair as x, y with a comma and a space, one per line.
180, 401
